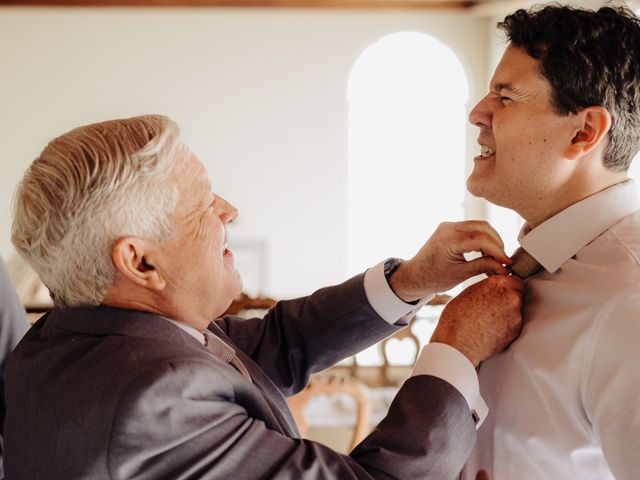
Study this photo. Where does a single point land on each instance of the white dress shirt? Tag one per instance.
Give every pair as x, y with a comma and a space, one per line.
564, 397
436, 359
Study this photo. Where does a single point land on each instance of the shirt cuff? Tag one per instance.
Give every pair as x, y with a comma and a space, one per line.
385, 302
445, 362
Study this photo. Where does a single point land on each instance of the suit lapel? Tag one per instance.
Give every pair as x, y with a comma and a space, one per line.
272, 394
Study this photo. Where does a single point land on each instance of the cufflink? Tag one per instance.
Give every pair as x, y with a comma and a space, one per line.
475, 416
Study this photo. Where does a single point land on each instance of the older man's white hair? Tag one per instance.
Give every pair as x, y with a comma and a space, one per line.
88, 188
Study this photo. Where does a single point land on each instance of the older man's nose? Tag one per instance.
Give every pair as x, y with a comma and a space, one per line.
481, 115
225, 211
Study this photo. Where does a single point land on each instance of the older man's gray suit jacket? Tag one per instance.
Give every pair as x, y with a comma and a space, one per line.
108, 393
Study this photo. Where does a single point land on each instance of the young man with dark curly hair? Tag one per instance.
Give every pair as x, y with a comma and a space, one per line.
558, 131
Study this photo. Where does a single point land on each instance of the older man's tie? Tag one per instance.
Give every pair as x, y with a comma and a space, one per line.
225, 352
524, 265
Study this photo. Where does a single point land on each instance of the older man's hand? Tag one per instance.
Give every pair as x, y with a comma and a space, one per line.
440, 264
483, 319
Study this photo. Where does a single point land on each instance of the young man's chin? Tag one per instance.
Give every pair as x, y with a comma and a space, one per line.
477, 189
473, 187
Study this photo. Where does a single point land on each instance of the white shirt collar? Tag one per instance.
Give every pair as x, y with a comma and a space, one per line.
559, 238
199, 336
208, 339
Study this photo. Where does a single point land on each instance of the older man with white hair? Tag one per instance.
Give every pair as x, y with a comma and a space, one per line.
134, 375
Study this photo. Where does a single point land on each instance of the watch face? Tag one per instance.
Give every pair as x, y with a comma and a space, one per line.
391, 265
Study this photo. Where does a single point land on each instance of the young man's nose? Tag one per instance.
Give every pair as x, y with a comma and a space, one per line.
481, 115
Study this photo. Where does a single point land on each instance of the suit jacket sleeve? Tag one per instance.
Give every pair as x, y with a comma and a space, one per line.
186, 420
302, 336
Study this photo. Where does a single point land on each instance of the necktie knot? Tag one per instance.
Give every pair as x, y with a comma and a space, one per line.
524, 265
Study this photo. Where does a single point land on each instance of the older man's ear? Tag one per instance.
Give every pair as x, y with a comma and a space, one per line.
134, 259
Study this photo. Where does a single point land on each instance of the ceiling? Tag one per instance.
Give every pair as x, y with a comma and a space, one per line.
480, 7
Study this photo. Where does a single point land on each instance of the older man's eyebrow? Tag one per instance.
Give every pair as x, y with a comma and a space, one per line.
199, 211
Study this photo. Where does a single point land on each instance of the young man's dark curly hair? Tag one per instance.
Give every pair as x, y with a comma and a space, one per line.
590, 58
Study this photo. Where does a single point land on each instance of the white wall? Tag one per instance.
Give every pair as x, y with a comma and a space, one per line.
260, 96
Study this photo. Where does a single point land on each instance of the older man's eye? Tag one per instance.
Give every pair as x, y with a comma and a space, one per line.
505, 99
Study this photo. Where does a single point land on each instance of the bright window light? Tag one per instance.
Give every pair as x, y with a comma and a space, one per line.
407, 97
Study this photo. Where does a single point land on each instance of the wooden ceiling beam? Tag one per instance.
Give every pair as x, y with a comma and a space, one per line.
328, 4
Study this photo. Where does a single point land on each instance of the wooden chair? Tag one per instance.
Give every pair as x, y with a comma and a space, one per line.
333, 385
245, 302
394, 374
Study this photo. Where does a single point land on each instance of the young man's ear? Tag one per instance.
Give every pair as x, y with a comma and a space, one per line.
134, 259
594, 124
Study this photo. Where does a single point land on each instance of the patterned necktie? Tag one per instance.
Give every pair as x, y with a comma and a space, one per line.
223, 351
524, 265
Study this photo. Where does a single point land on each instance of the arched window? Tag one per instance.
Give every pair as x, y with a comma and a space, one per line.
407, 97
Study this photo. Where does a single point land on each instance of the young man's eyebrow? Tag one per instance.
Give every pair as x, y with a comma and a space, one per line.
503, 86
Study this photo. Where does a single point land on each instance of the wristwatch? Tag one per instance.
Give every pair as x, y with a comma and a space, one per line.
390, 266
